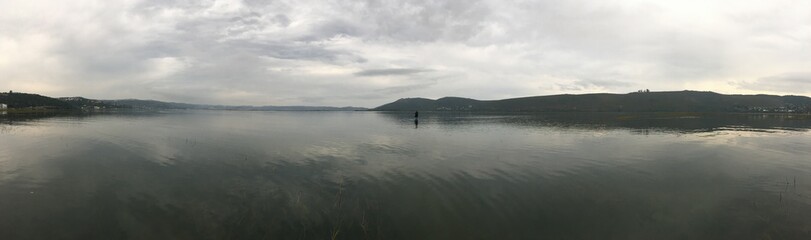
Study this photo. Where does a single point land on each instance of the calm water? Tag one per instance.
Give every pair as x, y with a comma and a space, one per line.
368, 175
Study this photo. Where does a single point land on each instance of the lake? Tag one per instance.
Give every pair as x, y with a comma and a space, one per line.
380, 175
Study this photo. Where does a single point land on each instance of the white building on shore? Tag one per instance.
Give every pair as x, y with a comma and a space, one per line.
3, 106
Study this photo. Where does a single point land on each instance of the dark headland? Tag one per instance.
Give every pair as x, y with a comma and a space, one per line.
15, 101
675, 101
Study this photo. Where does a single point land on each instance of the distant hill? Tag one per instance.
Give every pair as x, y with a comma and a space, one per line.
304, 108
27, 100
152, 104
84, 103
35, 101
680, 101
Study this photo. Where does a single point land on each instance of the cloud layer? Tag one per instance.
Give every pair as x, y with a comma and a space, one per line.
366, 53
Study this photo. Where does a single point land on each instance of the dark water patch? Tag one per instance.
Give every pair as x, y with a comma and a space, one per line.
285, 175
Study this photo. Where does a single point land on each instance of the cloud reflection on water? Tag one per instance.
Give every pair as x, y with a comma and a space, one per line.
369, 175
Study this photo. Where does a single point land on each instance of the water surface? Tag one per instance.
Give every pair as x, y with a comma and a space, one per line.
378, 175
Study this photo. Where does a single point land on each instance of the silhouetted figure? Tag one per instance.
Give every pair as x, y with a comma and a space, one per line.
416, 119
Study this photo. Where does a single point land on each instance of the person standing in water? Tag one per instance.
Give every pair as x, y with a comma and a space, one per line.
416, 119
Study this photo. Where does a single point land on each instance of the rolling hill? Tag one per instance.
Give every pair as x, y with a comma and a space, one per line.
32, 101
677, 101
35, 101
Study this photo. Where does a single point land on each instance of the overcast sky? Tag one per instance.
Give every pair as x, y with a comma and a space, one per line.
367, 53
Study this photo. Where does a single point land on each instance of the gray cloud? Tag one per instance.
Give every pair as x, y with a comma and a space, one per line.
390, 71
301, 51
407, 88
585, 84
795, 83
402, 90
366, 53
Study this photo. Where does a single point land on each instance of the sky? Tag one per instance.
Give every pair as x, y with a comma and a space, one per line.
368, 53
